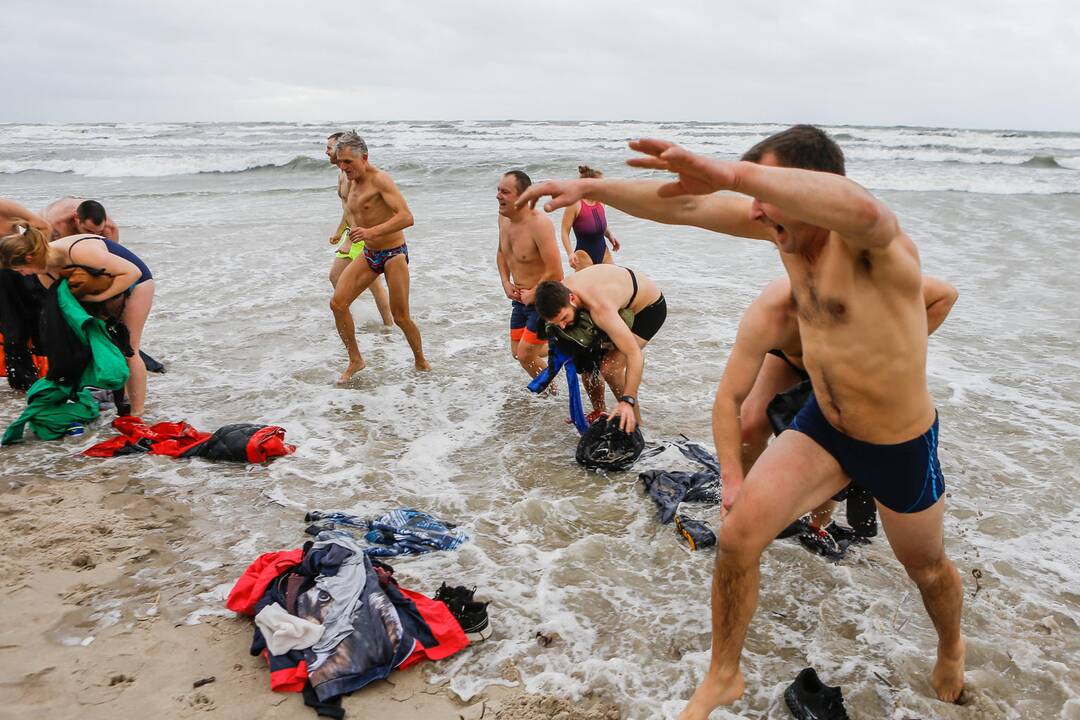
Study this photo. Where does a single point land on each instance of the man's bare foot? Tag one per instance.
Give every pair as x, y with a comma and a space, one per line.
355, 366
948, 675
711, 694
422, 363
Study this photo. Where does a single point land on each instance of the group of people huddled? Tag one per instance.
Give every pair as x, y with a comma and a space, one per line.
851, 317
75, 233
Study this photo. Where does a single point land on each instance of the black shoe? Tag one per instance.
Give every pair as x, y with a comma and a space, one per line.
841, 533
697, 533
470, 614
809, 699
820, 542
796, 528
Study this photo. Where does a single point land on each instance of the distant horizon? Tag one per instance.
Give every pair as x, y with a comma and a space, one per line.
6, 123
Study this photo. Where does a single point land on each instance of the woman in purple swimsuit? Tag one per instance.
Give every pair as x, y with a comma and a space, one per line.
589, 224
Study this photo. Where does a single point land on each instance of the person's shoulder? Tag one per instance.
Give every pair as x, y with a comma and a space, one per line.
768, 315
62, 205
539, 220
382, 180
775, 298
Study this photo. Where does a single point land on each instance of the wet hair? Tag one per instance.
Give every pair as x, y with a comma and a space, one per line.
334, 136
801, 146
354, 142
523, 181
91, 210
551, 297
587, 172
25, 240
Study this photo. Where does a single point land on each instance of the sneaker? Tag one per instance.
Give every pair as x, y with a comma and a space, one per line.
809, 699
472, 615
697, 533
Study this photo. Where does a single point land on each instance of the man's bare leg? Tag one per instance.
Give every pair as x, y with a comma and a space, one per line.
397, 281
793, 475
336, 268
594, 386
352, 281
378, 290
531, 357
918, 541
382, 301
775, 376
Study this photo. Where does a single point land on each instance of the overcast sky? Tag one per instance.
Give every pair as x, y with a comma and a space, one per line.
984, 63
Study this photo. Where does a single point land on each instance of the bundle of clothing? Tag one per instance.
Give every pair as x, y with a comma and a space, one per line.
81, 354
330, 620
670, 488
22, 357
404, 531
242, 442
605, 446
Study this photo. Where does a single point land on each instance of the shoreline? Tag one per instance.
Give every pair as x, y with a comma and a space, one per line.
96, 633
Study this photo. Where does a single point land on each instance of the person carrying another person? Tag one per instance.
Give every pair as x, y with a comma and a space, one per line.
377, 215
28, 251
767, 359
589, 223
72, 216
602, 291
857, 288
527, 256
347, 250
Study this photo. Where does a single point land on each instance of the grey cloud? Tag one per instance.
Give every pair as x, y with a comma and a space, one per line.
992, 64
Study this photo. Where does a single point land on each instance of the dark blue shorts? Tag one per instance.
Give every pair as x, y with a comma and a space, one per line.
525, 323
905, 477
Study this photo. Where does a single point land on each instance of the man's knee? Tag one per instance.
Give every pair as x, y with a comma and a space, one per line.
400, 315
338, 305
755, 426
927, 570
528, 353
738, 548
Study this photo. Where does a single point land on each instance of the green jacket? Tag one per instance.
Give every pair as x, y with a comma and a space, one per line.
51, 407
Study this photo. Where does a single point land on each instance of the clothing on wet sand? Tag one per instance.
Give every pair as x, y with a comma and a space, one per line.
404, 531
669, 488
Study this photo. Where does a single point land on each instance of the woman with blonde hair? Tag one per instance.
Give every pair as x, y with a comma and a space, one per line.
589, 223
28, 251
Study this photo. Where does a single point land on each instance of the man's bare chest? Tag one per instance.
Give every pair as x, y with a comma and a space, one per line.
366, 202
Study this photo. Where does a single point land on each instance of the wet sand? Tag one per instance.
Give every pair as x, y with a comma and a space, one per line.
93, 629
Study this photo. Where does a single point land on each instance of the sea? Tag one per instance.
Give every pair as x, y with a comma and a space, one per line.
590, 595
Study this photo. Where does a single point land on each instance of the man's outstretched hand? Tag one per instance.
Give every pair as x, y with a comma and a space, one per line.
698, 175
562, 192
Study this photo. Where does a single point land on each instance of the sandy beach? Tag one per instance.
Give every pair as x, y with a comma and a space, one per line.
102, 534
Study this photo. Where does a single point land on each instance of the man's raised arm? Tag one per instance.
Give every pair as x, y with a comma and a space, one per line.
727, 214
824, 199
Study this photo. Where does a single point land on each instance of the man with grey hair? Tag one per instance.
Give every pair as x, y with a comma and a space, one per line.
377, 214
347, 249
